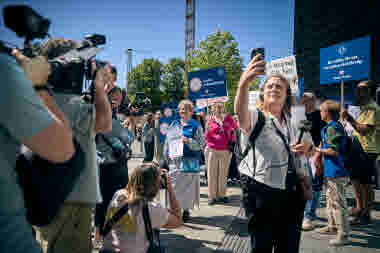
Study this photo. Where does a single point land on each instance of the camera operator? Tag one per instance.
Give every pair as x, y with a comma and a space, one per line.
70, 229
25, 120
113, 149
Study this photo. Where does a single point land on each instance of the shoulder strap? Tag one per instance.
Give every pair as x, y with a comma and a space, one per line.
286, 144
113, 220
148, 226
252, 138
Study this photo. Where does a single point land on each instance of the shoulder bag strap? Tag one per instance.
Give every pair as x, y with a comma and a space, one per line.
148, 226
286, 143
113, 220
252, 138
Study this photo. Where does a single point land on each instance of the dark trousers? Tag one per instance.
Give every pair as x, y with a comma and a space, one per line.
149, 151
275, 217
233, 172
112, 177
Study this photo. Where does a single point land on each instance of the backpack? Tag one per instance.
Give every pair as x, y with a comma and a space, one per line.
239, 153
353, 153
47, 185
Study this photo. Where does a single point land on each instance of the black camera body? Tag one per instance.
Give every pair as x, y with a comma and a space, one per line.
70, 70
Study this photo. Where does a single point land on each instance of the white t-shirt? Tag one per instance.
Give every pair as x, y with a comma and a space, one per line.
128, 235
271, 154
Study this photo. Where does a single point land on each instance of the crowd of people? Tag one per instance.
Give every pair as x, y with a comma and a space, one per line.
275, 171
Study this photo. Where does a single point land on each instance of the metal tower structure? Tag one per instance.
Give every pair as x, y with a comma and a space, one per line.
129, 66
189, 28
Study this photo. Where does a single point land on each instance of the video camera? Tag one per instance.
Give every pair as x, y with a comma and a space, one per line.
69, 69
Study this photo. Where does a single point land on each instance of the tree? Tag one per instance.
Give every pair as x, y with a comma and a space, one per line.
220, 49
146, 77
173, 77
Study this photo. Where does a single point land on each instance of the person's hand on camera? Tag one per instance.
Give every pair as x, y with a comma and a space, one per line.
37, 69
255, 68
345, 115
185, 140
299, 149
103, 76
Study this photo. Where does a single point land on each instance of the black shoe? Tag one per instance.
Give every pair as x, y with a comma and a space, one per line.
212, 202
186, 216
224, 200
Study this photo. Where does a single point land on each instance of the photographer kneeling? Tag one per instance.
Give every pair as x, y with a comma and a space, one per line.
129, 234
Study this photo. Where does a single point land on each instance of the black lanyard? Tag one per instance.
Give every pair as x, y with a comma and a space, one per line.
291, 177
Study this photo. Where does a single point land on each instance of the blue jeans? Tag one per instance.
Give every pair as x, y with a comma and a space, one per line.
312, 205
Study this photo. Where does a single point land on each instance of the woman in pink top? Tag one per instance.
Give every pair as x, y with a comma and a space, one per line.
220, 131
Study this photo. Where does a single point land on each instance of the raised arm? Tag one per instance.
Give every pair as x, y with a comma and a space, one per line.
254, 68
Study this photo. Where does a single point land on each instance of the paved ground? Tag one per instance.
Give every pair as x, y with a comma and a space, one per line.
211, 228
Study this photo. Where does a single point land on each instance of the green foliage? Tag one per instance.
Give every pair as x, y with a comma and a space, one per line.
173, 77
220, 49
157, 80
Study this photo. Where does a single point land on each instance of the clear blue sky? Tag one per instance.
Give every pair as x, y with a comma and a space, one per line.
156, 28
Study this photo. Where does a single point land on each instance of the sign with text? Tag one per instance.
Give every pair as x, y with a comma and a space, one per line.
253, 97
287, 68
202, 103
345, 61
207, 83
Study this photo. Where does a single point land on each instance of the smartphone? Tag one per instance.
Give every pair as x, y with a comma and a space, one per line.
256, 51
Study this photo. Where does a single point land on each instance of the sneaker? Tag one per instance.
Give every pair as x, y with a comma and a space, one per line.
339, 241
327, 231
307, 225
212, 202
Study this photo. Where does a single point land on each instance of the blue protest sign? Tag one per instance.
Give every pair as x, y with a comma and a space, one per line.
207, 83
345, 61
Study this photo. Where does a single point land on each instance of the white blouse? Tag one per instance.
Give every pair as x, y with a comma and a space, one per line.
271, 154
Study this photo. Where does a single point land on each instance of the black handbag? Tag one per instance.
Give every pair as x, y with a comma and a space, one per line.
46, 185
153, 236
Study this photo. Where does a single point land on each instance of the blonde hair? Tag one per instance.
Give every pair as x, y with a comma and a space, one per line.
142, 184
288, 101
186, 103
216, 105
333, 108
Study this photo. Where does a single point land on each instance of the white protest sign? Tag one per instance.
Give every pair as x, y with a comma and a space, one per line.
253, 97
287, 68
354, 111
204, 102
174, 138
